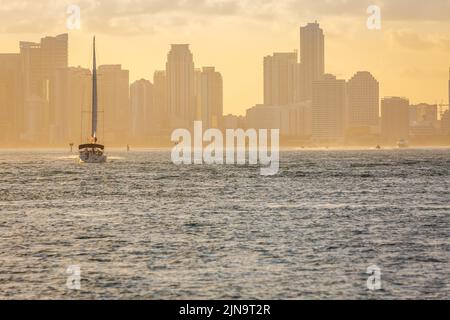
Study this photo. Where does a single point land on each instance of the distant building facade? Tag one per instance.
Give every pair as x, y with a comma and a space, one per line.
211, 98
293, 120
329, 102
363, 101
280, 78
394, 119
71, 100
312, 55
40, 62
180, 77
445, 123
114, 104
143, 117
423, 120
11, 98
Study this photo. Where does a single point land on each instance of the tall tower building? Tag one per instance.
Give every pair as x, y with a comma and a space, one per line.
31, 56
11, 98
445, 123
55, 54
328, 109
40, 61
211, 97
312, 55
394, 119
143, 117
180, 86
445, 120
160, 102
280, 79
114, 102
363, 98
72, 99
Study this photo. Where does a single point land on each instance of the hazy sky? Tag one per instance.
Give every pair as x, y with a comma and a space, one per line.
410, 55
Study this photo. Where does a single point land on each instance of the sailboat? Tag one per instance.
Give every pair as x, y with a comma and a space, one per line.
93, 152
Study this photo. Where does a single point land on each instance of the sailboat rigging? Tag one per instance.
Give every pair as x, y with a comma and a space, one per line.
93, 152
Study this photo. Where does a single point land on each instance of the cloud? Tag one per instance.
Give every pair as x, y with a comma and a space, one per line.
412, 40
136, 16
397, 10
404, 10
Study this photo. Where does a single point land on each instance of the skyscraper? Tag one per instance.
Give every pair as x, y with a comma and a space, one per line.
114, 103
328, 109
71, 99
35, 107
280, 78
394, 119
312, 55
55, 54
11, 99
180, 86
363, 98
40, 61
160, 102
211, 98
445, 123
143, 117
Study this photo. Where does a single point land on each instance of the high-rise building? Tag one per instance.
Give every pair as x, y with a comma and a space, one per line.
328, 109
363, 101
40, 61
445, 123
55, 54
181, 87
143, 117
211, 98
312, 55
11, 98
394, 119
31, 55
35, 106
71, 98
114, 104
160, 102
280, 78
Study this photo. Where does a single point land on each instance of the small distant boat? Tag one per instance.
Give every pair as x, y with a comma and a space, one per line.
402, 144
378, 147
93, 152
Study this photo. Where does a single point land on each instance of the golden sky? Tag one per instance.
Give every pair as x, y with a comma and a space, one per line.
410, 55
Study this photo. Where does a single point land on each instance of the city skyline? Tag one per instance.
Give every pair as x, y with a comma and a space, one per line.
397, 54
224, 150
310, 104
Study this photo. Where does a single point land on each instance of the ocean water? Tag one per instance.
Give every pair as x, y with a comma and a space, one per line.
140, 227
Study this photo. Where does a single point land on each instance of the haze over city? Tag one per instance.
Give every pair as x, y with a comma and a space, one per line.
137, 35
224, 149
233, 69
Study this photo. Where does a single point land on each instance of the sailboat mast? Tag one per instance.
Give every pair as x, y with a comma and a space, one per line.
94, 97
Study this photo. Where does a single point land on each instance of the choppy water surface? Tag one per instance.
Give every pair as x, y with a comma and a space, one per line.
141, 228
